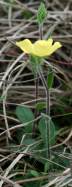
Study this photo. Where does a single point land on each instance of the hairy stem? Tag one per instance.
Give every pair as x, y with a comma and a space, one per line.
48, 155
37, 83
36, 97
41, 31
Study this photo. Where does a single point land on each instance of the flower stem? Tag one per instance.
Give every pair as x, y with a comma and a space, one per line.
48, 154
37, 84
41, 31
36, 97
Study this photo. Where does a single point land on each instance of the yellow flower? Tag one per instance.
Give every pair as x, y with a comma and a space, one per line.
40, 48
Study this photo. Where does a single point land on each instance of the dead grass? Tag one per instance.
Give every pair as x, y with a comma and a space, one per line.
18, 21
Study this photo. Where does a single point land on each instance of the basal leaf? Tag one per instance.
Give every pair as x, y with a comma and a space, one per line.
25, 115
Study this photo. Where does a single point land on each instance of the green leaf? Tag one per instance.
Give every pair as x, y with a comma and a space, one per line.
40, 106
50, 79
34, 173
28, 141
31, 174
25, 115
42, 129
42, 13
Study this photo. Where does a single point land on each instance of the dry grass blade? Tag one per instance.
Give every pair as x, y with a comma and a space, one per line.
17, 88
15, 161
5, 179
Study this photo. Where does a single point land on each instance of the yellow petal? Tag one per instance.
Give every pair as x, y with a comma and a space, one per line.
49, 42
43, 43
54, 47
41, 47
25, 45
